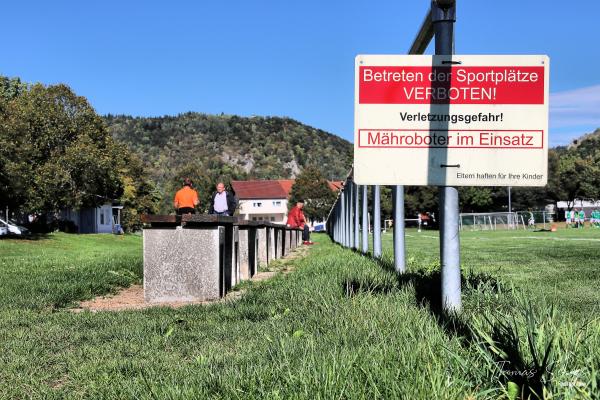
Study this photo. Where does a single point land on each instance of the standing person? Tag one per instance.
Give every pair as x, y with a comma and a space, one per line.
568, 219
296, 219
222, 202
575, 217
582, 218
186, 198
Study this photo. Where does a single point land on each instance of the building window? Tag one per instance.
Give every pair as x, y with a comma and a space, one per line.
272, 218
257, 204
277, 203
253, 218
101, 217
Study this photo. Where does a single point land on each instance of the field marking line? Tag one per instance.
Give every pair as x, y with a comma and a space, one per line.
425, 236
563, 239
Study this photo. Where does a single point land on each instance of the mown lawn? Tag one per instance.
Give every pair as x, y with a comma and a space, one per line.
340, 326
562, 267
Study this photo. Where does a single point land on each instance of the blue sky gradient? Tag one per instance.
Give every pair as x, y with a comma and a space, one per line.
278, 58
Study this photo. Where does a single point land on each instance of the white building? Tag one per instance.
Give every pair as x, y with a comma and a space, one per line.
101, 219
263, 200
266, 200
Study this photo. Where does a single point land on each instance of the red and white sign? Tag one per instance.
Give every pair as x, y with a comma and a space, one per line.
451, 120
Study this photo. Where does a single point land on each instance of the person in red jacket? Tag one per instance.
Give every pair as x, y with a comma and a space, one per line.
296, 219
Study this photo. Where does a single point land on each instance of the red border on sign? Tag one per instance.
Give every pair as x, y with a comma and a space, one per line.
541, 132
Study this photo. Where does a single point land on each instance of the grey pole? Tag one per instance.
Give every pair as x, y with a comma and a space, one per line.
350, 214
348, 202
399, 246
335, 223
356, 219
509, 208
365, 220
376, 222
443, 18
339, 221
343, 215
347, 216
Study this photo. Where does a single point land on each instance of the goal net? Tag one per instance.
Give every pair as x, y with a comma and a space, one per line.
492, 221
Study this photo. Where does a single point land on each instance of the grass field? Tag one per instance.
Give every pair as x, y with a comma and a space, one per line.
340, 326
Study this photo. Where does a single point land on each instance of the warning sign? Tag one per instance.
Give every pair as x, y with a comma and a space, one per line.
451, 120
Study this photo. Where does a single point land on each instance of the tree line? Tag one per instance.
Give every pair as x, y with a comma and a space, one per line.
56, 153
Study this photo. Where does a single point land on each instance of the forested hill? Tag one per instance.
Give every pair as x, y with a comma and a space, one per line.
211, 147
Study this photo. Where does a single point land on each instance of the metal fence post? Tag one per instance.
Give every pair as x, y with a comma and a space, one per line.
347, 215
343, 219
443, 19
376, 222
399, 245
350, 214
365, 220
356, 218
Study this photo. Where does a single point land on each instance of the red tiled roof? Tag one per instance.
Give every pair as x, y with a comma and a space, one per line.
259, 190
287, 184
270, 189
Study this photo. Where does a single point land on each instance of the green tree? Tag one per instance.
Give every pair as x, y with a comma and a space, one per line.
140, 195
312, 187
576, 178
57, 152
474, 198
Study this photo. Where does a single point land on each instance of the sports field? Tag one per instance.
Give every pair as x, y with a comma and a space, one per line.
341, 325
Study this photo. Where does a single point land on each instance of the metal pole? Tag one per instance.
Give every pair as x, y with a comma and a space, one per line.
342, 219
339, 221
443, 19
509, 207
335, 222
399, 246
351, 214
376, 222
348, 203
356, 219
365, 220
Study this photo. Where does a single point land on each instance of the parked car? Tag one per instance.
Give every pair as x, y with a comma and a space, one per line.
11, 228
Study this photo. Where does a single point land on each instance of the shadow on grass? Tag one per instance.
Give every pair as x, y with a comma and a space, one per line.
30, 237
501, 346
427, 286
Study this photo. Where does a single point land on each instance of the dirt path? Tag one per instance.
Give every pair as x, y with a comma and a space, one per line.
132, 298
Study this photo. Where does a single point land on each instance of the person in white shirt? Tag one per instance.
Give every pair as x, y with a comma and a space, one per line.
223, 202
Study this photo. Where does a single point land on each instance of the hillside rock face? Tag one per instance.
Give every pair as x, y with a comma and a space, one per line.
229, 147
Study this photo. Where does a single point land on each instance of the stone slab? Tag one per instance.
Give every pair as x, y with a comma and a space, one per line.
247, 252
263, 245
183, 264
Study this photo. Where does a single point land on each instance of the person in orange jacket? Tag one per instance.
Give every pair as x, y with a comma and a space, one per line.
296, 219
186, 198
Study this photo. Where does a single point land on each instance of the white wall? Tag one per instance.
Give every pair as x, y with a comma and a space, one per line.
272, 210
104, 219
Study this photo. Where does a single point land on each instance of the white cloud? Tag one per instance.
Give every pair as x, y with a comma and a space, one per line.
576, 108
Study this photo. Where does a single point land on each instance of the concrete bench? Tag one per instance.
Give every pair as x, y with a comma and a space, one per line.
201, 257
189, 257
249, 246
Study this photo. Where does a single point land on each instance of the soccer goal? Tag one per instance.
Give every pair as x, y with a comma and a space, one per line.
492, 221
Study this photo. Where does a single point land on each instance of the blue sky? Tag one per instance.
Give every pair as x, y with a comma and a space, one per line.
279, 58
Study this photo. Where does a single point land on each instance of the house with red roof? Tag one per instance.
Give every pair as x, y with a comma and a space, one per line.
266, 200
